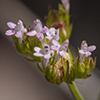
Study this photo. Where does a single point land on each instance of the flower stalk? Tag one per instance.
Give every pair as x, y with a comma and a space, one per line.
76, 94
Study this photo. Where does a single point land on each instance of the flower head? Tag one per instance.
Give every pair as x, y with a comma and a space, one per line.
52, 34
61, 49
45, 53
38, 30
17, 29
37, 25
86, 50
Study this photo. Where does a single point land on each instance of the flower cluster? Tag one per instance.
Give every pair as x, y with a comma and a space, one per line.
52, 36
43, 44
49, 45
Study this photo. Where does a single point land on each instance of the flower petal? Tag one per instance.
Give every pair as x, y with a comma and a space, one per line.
18, 34
39, 35
49, 37
64, 45
9, 32
57, 34
91, 48
52, 31
47, 56
54, 47
11, 25
62, 53
88, 53
46, 49
81, 51
37, 25
54, 42
38, 54
25, 30
84, 45
37, 49
44, 30
32, 33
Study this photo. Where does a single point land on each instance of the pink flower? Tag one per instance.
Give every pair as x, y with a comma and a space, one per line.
61, 49
38, 30
52, 34
45, 53
17, 29
86, 50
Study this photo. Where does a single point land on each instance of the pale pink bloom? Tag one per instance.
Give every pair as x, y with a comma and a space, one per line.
61, 49
86, 50
17, 29
38, 30
45, 53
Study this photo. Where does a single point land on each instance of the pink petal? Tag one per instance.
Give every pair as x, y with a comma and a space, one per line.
48, 33
54, 47
39, 35
56, 37
38, 54
37, 25
25, 30
19, 34
62, 53
91, 48
65, 44
49, 37
55, 43
88, 53
9, 32
44, 30
11, 25
47, 56
32, 33
52, 31
20, 22
81, 51
37, 49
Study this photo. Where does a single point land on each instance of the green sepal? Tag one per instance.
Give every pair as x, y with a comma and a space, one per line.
21, 48
64, 15
42, 70
36, 59
71, 56
50, 74
52, 17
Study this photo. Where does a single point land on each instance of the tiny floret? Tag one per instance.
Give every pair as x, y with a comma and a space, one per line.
85, 50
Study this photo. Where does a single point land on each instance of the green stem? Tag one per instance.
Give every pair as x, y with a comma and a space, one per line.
75, 92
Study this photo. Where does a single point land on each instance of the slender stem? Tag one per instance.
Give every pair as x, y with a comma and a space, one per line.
75, 92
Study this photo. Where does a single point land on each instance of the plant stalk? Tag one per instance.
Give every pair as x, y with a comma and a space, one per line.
75, 91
